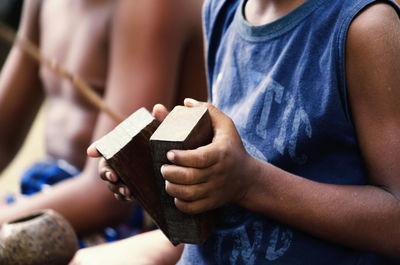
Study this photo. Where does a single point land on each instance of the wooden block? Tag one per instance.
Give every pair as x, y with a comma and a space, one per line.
127, 150
184, 128
136, 157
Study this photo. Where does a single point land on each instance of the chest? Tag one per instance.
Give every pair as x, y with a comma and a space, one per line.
76, 35
285, 99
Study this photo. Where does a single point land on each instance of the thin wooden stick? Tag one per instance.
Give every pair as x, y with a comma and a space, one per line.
32, 50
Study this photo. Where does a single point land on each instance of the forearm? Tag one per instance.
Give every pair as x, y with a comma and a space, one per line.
147, 248
363, 217
20, 101
86, 203
153, 247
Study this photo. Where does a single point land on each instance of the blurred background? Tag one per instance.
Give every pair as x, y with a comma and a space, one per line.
33, 148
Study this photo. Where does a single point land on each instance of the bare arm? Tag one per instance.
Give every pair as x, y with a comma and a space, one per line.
156, 34
20, 89
365, 217
148, 248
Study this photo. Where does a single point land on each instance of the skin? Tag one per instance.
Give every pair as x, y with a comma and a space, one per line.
130, 58
130, 251
263, 12
214, 175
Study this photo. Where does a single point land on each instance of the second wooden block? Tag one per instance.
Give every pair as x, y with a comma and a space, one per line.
184, 128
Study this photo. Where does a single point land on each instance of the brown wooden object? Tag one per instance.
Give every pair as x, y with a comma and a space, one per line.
127, 151
136, 149
184, 128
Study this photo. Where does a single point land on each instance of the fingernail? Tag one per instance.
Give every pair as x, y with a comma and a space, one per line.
91, 149
190, 101
108, 175
170, 156
122, 191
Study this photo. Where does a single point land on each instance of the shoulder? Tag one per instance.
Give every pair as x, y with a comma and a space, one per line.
373, 38
375, 21
218, 14
373, 60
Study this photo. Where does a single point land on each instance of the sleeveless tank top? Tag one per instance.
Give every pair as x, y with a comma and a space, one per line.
284, 86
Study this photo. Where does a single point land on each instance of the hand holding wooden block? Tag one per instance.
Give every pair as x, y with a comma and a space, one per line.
184, 128
136, 149
127, 151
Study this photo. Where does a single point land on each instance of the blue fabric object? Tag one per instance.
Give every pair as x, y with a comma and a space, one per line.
47, 173
283, 84
44, 174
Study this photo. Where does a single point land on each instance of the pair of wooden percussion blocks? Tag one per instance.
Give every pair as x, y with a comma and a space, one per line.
136, 149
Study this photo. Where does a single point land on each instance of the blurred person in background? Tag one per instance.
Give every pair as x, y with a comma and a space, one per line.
304, 166
132, 53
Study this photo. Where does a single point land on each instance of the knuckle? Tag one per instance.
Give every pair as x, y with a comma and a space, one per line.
189, 176
224, 153
181, 192
202, 158
230, 121
187, 193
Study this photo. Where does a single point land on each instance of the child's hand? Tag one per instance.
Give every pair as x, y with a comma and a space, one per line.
106, 173
120, 190
210, 176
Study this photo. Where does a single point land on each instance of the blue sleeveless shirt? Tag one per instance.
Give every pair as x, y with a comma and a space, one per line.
284, 86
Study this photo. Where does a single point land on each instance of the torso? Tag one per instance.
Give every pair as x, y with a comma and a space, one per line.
283, 85
75, 33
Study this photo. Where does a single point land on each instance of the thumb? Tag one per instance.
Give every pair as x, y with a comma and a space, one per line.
92, 151
218, 118
190, 102
160, 112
